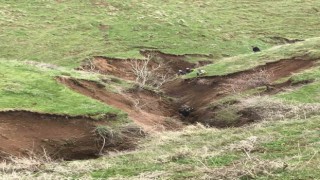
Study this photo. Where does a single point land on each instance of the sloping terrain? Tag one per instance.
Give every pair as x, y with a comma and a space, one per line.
26, 133
85, 79
146, 108
40, 116
66, 32
200, 92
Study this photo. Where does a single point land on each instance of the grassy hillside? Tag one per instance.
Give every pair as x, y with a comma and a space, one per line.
67, 32
42, 40
306, 50
32, 86
309, 93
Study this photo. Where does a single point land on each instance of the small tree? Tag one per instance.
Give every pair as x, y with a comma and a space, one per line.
150, 74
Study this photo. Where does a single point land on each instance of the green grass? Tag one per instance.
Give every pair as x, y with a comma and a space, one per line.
312, 74
26, 87
66, 32
306, 94
308, 49
293, 141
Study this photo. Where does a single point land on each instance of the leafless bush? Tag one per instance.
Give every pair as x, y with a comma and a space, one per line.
89, 65
150, 74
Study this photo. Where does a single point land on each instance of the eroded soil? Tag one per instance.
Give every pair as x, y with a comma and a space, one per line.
197, 93
25, 133
122, 68
22, 133
200, 92
146, 108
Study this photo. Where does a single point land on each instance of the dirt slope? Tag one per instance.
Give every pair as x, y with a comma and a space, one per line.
122, 68
22, 133
146, 108
197, 93
200, 92
25, 133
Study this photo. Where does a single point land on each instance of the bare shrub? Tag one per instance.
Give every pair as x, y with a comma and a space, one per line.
88, 65
105, 133
150, 74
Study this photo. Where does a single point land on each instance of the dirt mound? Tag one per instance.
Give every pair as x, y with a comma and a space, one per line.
148, 109
200, 92
25, 133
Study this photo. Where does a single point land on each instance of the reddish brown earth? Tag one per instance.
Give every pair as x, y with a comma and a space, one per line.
122, 67
147, 109
197, 93
25, 133
200, 92
22, 133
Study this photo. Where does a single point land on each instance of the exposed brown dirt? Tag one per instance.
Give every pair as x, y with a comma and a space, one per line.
197, 93
122, 67
200, 92
62, 137
73, 138
148, 109
67, 137
25, 133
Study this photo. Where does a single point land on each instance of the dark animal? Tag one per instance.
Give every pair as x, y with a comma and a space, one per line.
255, 49
185, 110
180, 72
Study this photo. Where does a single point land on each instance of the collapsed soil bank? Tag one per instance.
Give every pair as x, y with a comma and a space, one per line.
25, 133
200, 92
146, 108
122, 68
